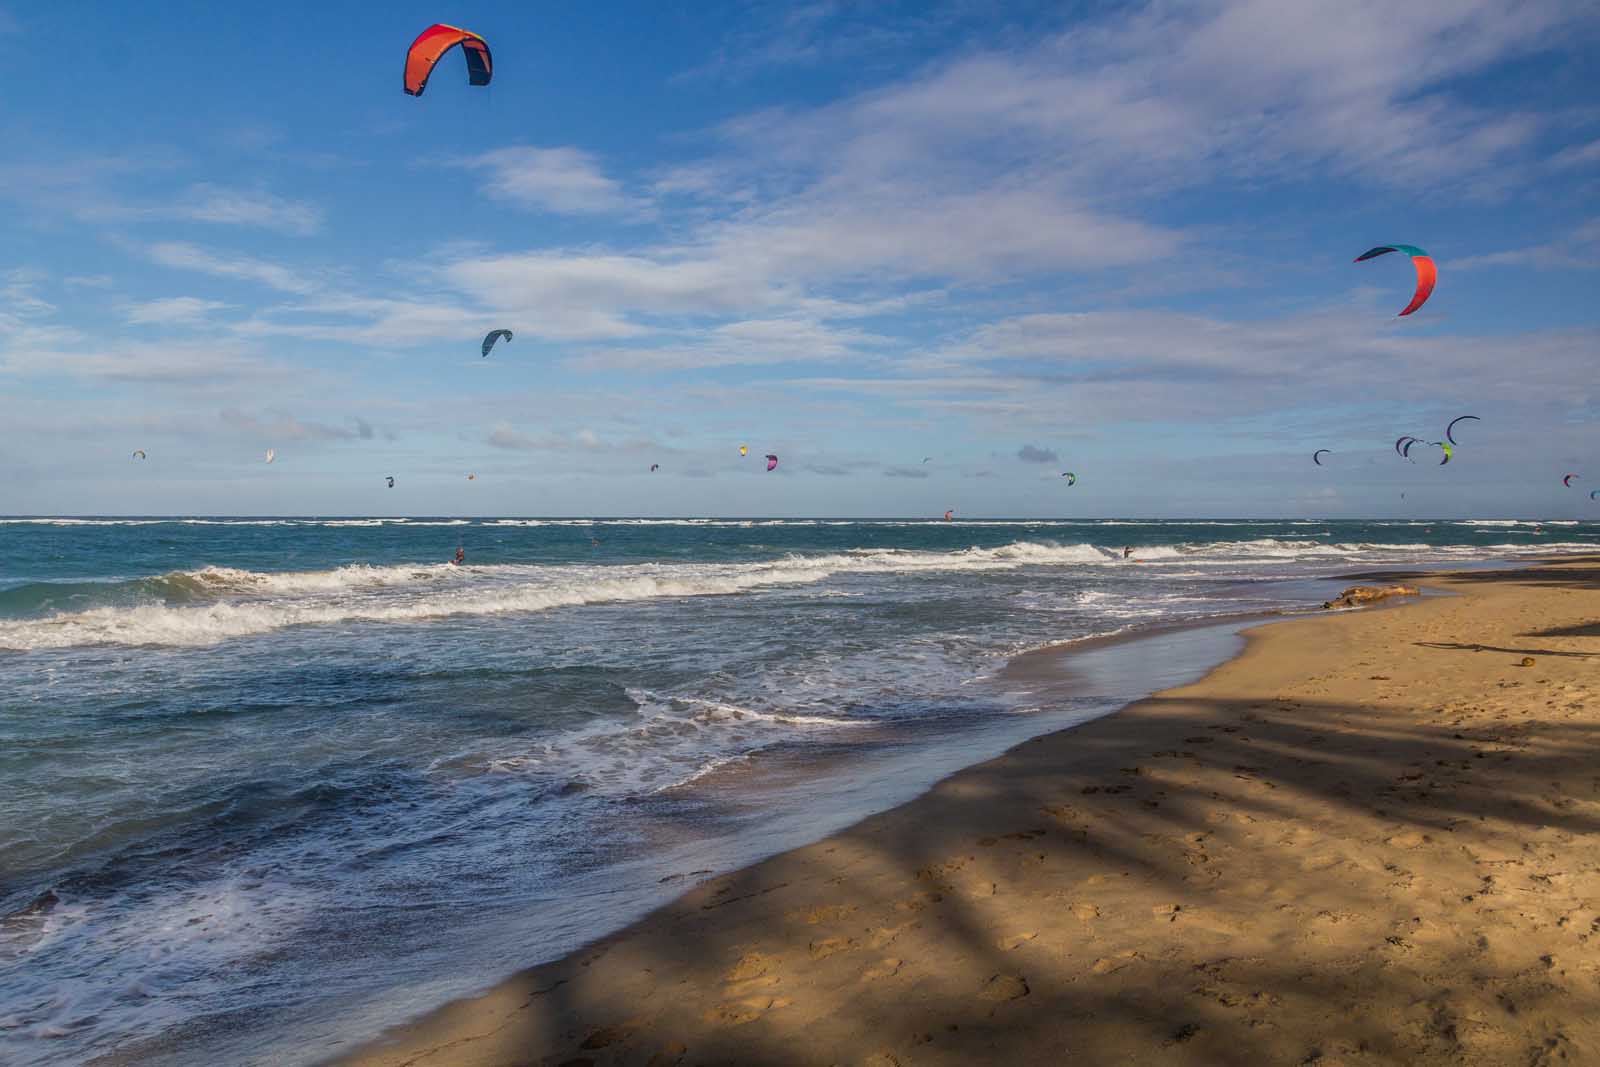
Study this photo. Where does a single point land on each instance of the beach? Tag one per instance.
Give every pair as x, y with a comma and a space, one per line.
1366, 839
276, 787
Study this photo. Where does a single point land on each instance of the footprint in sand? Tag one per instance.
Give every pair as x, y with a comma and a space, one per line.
918, 902
828, 946
744, 1010
938, 874
1015, 941
885, 968
1003, 987
1085, 911
1109, 964
822, 914
1409, 839
750, 965
885, 935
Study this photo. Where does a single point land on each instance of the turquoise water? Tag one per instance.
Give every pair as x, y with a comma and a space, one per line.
304, 777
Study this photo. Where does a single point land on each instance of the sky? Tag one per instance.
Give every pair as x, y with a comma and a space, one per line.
931, 254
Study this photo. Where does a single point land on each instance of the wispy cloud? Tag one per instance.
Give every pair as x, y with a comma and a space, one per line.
1578, 248
1581, 155
116, 187
1159, 97
236, 207
184, 256
279, 425
1100, 368
565, 181
19, 297
807, 34
173, 311
743, 342
503, 435
205, 364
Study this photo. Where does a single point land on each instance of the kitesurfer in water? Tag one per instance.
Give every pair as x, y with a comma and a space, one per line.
461, 556
1127, 550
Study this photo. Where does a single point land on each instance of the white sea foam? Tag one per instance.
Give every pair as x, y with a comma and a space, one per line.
1516, 522
673, 740
244, 603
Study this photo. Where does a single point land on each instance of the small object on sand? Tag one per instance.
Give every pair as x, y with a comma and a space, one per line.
1527, 661
1357, 595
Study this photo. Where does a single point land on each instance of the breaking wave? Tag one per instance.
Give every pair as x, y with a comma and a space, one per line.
215, 604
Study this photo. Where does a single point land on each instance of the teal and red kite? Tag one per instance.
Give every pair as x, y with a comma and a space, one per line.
1427, 272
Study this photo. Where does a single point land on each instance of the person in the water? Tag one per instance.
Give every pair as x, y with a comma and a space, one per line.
1127, 550
461, 556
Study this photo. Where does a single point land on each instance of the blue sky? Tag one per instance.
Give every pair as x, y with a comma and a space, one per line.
1017, 239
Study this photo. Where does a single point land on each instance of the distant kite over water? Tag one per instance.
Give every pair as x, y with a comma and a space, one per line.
772, 462
654, 467
138, 453
1320, 452
1427, 273
1072, 479
744, 450
391, 481
272, 454
949, 513
1567, 481
1449, 435
492, 336
431, 45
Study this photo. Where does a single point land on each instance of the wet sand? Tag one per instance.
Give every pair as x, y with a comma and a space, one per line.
1370, 838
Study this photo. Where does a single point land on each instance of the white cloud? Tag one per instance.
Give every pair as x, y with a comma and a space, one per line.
173, 311
503, 435
278, 425
95, 188
195, 363
1577, 248
743, 342
233, 207
566, 181
1097, 369
1577, 155
553, 280
183, 256
1179, 94
18, 298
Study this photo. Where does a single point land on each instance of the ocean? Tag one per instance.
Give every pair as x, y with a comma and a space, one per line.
270, 785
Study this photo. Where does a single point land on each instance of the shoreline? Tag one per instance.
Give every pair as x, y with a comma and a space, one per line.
788, 960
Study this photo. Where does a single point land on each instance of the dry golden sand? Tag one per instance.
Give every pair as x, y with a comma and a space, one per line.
1369, 839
